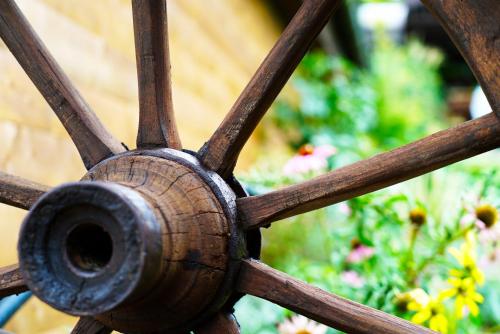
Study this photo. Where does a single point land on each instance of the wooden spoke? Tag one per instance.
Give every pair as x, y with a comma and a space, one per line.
262, 281
221, 323
88, 325
473, 27
11, 281
440, 149
157, 126
19, 192
92, 140
221, 151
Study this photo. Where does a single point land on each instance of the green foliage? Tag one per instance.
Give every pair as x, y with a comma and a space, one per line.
315, 247
408, 87
335, 101
361, 112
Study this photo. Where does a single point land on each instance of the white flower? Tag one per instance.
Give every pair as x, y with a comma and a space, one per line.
301, 325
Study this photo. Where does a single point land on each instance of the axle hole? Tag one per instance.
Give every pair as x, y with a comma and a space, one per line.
89, 247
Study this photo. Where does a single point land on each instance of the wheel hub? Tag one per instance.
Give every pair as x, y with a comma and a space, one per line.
147, 242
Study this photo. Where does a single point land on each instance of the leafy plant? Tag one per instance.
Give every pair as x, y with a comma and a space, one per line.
410, 250
398, 99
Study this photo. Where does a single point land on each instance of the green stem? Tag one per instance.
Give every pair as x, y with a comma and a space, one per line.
439, 251
409, 259
494, 329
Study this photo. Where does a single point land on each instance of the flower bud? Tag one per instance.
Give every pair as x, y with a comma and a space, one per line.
418, 216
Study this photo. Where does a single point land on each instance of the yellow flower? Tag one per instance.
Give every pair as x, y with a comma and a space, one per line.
429, 309
466, 257
403, 299
464, 290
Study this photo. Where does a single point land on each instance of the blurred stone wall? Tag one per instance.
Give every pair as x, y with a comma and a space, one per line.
215, 48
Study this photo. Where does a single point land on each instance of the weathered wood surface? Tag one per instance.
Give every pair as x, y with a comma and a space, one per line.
18, 192
260, 280
92, 140
221, 152
195, 235
11, 281
440, 149
474, 27
88, 325
157, 126
220, 323
161, 221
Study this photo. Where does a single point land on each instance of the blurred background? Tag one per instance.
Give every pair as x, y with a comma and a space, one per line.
381, 74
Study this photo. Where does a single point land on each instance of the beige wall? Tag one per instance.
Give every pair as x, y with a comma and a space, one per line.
215, 48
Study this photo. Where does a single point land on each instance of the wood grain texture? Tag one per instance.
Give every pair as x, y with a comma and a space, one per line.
260, 280
88, 325
221, 152
474, 27
92, 140
440, 149
157, 126
18, 192
220, 323
201, 245
11, 281
195, 238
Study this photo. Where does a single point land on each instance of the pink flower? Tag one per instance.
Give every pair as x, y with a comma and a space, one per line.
301, 164
352, 278
345, 209
484, 217
309, 159
301, 325
359, 253
489, 235
324, 151
490, 263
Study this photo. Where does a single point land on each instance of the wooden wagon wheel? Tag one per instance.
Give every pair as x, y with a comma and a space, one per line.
174, 238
